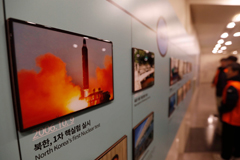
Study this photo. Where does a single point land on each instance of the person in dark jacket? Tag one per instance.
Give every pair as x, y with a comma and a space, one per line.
231, 59
220, 80
230, 114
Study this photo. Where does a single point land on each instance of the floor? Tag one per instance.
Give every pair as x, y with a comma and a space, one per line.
204, 139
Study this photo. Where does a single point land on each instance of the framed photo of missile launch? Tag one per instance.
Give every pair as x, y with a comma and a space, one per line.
142, 69
117, 151
172, 104
55, 73
142, 136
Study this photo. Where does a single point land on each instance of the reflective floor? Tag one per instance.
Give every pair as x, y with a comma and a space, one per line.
204, 139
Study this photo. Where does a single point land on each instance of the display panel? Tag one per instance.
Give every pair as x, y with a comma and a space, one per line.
142, 136
179, 95
174, 71
190, 67
172, 104
117, 151
181, 68
56, 72
143, 69
188, 85
184, 90
185, 68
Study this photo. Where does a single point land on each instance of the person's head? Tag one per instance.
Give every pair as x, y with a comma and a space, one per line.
231, 59
223, 62
233, 70
115, 157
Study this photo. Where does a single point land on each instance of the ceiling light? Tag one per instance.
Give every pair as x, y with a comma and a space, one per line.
235, 52
217, 45
228, 43
223, 48
220, 51
220, 41
214, 52
237, 34
231, 25
236, 18
75, 45
224, 35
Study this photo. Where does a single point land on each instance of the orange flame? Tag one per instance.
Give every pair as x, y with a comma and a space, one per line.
46, 95
104, 77
51, 93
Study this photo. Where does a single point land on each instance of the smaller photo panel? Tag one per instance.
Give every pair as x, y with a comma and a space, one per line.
143, 69
142, 136
172, 104
174, 71
184, 90
117, 151
180, 67
187, 65
179, 95
187, 86
184, 68
190, 84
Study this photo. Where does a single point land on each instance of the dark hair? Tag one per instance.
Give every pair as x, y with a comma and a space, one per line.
223, 59
116, 156
235, 67
232, 58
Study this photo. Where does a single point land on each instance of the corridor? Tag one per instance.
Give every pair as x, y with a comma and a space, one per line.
203, 140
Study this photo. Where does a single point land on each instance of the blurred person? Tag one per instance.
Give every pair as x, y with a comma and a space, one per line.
231, 59
220, 80
230, 115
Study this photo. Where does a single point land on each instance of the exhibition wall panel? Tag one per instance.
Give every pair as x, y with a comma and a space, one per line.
98, 131
114, 117
8, 138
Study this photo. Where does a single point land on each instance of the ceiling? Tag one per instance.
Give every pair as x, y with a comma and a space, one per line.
210, 22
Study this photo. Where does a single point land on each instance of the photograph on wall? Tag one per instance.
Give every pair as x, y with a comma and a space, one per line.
189, 85
179, 95
117, 151
185, 67
56, 72
189, 67
142, 136
142, 69
172, 104
181, 68
174, 71
184, 91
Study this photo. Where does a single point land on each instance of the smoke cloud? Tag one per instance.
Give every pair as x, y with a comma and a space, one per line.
45, 95
50, 93
104, 77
